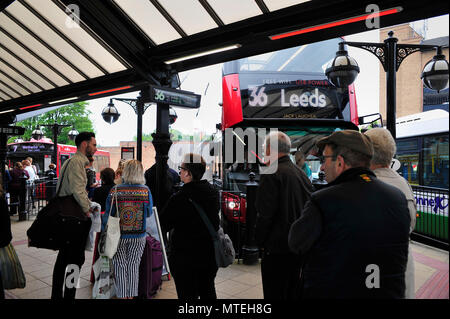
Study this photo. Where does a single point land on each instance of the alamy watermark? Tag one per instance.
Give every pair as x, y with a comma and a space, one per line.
373, 279
245, 146
73, 16
72, 276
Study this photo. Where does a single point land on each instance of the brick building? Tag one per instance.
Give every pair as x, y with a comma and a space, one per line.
410, 92
148, 153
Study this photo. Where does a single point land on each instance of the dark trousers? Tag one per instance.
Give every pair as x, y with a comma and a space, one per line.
280, 276
14, 201
73, 254
192, 283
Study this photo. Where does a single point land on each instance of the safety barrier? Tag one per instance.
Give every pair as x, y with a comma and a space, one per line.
432, 216
32, 197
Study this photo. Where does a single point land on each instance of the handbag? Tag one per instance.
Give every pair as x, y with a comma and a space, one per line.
223, 246
12, 273
110, 237
61, 222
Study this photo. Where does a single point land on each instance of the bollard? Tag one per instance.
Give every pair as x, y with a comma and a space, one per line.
250, 250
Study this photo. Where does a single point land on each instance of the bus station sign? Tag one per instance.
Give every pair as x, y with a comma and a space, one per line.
174, 97
127, 153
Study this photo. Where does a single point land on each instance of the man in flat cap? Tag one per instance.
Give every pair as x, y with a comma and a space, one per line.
353, 233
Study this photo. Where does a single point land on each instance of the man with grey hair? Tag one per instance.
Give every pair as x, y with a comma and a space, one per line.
279, 202
353, 233
384, 150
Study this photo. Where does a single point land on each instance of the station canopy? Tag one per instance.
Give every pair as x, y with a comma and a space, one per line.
55, 52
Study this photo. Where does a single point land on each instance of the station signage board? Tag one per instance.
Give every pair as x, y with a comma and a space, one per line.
127, 153
159, 94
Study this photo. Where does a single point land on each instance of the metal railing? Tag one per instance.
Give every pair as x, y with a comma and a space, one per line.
31, 197
432, 216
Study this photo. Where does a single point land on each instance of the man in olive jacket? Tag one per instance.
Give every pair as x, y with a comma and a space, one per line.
73, 183
354, 233
279, 202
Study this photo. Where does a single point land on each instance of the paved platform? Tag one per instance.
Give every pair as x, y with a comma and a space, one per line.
238, 281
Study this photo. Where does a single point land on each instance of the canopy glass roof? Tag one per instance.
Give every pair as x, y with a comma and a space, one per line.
60, 51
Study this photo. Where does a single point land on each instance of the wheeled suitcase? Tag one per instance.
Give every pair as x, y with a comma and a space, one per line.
150, 269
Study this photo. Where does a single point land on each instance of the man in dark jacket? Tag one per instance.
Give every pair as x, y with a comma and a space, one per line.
353, 233
280, 199
191, 257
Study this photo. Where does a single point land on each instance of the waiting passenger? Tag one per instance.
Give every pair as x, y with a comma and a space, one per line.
118, 172
300, 160
31, 172
280, 199
134, 202
191, 257
16, 188
101, 193
384, 150
354, 232
51, 172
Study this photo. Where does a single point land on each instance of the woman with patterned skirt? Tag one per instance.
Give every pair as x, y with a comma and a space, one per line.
134, 202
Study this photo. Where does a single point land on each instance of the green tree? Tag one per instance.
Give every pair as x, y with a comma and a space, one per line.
74, 114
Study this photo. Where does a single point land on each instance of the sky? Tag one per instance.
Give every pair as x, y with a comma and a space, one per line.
207, 82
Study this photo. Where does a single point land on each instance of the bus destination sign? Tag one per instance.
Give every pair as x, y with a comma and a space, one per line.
291, 99
174, 97
30, 148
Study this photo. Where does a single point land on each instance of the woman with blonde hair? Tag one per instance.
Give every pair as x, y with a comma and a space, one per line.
134, 205
118, 172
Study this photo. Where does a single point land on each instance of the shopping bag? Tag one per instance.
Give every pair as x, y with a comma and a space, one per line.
11, 269
104, 287
110, 237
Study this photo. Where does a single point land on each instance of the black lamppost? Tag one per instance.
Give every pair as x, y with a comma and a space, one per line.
56, 130
342, 71
111, 114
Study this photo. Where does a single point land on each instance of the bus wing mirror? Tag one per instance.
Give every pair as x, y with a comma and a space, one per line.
375, 120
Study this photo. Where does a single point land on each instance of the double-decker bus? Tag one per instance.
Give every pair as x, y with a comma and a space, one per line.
285, 90
41, 152
423, 152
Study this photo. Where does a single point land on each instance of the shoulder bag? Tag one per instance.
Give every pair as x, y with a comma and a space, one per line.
223, 247
110, 237
60, 223
11, 271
